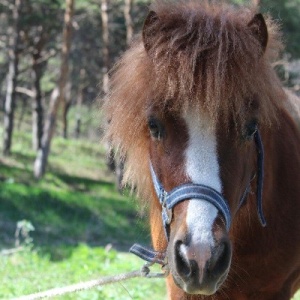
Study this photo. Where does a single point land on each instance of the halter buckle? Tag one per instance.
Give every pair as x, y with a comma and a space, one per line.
168, 215
146, 272
167, 212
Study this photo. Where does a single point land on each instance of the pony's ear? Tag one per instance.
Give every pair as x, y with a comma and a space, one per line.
259, 29
149, 29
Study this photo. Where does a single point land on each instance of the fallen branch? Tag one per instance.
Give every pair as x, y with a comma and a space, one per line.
81, 286
11, 251
143, 272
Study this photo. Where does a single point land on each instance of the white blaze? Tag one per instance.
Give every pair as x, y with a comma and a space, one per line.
202, 168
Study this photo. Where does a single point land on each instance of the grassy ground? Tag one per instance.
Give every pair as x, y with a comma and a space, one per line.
83, 226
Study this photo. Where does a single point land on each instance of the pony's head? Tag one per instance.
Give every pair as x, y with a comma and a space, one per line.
185, 103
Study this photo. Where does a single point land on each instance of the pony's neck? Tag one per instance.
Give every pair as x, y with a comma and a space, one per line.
282, 161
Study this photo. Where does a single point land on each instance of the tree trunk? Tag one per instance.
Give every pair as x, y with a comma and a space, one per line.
79, 104
28, 93
13, 53
67, 101
128, 20
110, 159
38, 67
42, 156
22, 114
105, 49
37, 107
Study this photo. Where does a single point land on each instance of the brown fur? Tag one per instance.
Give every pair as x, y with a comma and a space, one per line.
204, 62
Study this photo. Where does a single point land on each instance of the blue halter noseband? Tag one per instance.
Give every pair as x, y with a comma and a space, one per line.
188, 191
203, 193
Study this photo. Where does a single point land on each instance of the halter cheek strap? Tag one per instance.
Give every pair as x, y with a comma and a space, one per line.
202, 193
260, 177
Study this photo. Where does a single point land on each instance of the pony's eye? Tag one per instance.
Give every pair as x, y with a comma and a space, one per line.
156, 128
250, 129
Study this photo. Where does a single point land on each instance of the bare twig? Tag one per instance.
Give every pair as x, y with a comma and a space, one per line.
47, 56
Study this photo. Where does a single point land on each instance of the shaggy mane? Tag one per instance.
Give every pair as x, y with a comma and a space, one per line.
202, 54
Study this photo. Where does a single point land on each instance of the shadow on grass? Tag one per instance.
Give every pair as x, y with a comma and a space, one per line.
62, 220
13, 173
27, 159
82, 183
21, 175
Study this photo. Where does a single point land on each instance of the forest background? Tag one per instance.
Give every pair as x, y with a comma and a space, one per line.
63, 218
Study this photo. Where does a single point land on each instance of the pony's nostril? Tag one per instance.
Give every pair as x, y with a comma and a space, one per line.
182, 263
220, 257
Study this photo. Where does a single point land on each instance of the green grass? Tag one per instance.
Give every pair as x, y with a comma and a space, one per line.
83, 226
31, 271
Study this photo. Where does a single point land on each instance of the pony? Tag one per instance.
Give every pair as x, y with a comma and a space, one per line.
199, 116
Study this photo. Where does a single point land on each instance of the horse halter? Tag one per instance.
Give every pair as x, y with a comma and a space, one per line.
202, 193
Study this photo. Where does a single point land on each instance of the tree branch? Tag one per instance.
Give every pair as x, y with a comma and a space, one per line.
47, 56
25, 91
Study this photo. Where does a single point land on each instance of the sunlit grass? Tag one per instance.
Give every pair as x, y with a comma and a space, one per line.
297, 296
31, 271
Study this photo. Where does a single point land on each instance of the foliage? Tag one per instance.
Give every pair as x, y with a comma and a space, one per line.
287, 13
22, 234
